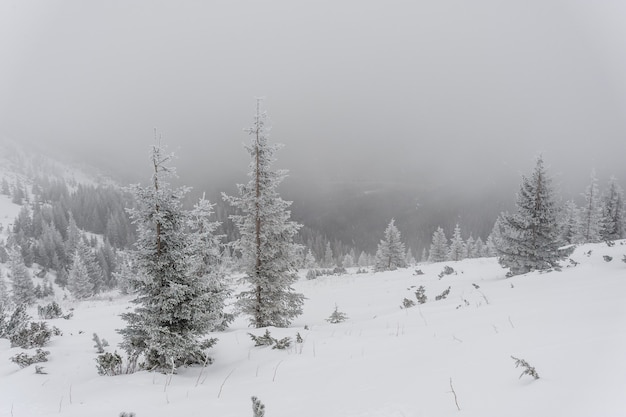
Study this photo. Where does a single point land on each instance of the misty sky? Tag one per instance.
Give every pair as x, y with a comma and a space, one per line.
357, 90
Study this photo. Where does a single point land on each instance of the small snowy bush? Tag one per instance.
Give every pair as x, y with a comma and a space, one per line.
265, 340
447, 270
49, 311
258, 408
311, 274
23, 359
35, 335
109, 364
528, 370
125, 414
283, 343
443, 295
406, 303
607, 258
337, 316
420, 294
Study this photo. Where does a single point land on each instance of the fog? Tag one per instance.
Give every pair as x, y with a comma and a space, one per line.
437, 93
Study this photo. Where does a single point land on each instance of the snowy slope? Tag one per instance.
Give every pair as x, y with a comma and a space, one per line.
383, 361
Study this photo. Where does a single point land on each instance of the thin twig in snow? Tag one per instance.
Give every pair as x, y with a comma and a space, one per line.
454, 393
510, 321
275, 370
224, 381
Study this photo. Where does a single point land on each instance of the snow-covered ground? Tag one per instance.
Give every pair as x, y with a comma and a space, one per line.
382, 361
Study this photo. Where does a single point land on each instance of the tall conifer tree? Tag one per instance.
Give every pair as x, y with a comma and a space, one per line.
530, 237
269, 254
391, 253
173, 305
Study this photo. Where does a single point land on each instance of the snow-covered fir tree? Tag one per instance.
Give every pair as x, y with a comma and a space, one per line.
438, 247
456, 252
204, 254
590, 214
409, 259
173, 308
568, 222
530, 239
269, 254
391, 252
328, 257
479, 248
348, 261
612, 220
78, 280
23, 289
362, 262
4, 293
94, 271
424, 256
470, 248
309, 260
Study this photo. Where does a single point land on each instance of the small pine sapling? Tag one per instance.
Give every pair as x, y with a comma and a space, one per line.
283, 343
528, 370
299, 338
443, 295
420, 294
607, 258
40, 370
265, 340
125, 414
337, 316
99, 345
406, 303
49, 311
258, 408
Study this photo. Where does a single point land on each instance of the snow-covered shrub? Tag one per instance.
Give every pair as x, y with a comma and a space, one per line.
447, 270
311, 274
283, 343
406, 303
418, 272
528, 370
265, 340
109, 364
420, 294
125, 414
258, 408
607, 258
337, 316
35, 335
50, 311
17, 322
40, 370
443, 295
23, 359
299, 338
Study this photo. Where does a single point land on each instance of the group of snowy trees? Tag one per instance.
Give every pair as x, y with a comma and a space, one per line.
179, 280
537, 235
458, 249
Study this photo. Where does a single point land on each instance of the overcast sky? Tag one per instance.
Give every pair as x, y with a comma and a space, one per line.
411, 90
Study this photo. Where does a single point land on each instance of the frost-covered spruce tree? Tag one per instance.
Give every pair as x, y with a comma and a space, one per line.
328, 257
568, 223
204, 252
269, 254
530, 237
21, 281
612, 221
78, 281
173, 305
391, 253
438, 247
590, 214
456, 252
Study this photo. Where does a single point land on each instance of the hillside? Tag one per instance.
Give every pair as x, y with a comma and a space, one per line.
382, 361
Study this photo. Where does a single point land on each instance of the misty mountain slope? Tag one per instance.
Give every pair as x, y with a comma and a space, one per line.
382, 361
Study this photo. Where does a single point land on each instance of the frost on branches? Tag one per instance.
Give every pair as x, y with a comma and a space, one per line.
269, 255
530, 237
174, 300
391, 253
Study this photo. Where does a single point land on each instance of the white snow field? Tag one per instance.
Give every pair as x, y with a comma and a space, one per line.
383, 361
